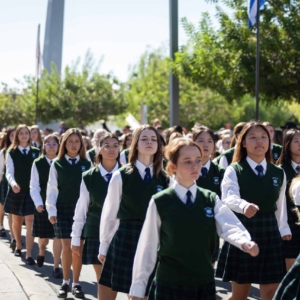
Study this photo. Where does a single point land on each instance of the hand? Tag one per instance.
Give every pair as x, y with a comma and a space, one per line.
40, 208
76, 249
101, 258
287, 237
53, 220
251, 248
16, 188
250, 210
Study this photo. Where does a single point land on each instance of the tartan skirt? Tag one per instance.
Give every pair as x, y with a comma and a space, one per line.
19, 204
90, 251
291, 248
42, 227
289, 288
117, 268
267, 267
161, 290
3, 189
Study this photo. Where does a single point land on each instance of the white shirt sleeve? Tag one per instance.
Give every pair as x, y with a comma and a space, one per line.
146, 253
231, 191
1, 164
296, 193
109, 222
88, 156
123, 158
10, 170
52, 192
223, 162
80, 215
281, 212
35, 189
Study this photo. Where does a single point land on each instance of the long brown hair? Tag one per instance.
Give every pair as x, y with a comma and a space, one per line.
197, 130
236, 131
62, 149
133, 152
240, 152
40, 140
3, 138
16, 142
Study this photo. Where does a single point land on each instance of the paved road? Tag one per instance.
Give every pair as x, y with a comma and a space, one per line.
16, 267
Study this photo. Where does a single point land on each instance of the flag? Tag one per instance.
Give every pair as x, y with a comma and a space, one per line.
39, 59
252, 11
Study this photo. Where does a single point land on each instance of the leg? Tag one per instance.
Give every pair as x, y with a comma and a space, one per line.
57, 248
77, 264
267, 291
239, 291
42, 246
29, 237
17, 222
289, 262
98, 270
10, 226
66, 258
106, 293
1, 215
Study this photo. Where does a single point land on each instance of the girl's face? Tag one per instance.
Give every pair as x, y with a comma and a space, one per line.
24, 136
12, 136
51, 147
256, 142
34, 134
147, 143
188, 166
73, 145
97, 137
206, 142
271, 132
226, 143
128, 141
295, 145
110, 149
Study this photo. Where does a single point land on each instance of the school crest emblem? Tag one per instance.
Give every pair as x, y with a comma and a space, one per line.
33, 155
275, 155
208, 212
275, 181
216, 180
82, 168
159, 188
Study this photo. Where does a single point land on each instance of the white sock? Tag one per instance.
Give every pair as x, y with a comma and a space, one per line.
66, 281
74, 284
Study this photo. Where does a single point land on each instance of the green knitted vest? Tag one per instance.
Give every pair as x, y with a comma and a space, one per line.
43, 169
276, 151
92, 154
229, 155
187, 237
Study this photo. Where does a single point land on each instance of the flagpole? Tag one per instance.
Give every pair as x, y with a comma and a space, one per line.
257, 58
37, 75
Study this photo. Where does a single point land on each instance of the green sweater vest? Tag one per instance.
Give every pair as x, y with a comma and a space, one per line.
126, 152
276, 151
229, 155
264, 191
97, 187
92, 154
187, 237
69, 179
136, 194
43, 169
22, 166
213, 179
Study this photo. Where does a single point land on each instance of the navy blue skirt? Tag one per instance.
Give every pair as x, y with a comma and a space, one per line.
90, 251
42, 227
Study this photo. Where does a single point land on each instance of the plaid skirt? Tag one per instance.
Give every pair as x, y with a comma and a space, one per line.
117, 268
267, 267
19, 204
289, 288
91, 251
42, 227
291, 249
3, 190
161, 290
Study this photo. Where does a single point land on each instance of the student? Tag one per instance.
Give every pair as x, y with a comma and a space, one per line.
175, 217
276, 149
2, 146
126, 141
211, 174
36, 138
19, 158
289, 160
62, 195
124, 211
91, 154
93, 191
42, 228
254, 189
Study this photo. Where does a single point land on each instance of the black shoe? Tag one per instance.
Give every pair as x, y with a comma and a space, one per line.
63, 291
13, 245
40, 260
30, 261
18, 253
3, 232
57, 273
77, 291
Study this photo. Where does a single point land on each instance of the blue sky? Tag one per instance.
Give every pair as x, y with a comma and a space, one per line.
117, 30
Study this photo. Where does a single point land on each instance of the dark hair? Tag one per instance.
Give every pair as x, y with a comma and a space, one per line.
268, 124
7, 141
236, 131
108, 135
127, 135
162, 140
278, 137
170, 130
46, 138
240, 152
2, 143
197, 130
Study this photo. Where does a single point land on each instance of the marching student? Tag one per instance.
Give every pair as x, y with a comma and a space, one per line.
126, 141
42, 228
289, 160
124, 210
276, 149
62, 195
93, 191
19, 158
2, 146
91, 154
36, 138
254, 189
175, 217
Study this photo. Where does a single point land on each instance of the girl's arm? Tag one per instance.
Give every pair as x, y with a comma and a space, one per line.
296, 191
79, 218
35, 189
10, 170
223, 162
52, 192
146, 253
1, 164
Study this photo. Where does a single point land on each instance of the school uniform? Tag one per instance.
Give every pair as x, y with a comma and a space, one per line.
18, 168
36, 145
176, 217
63, 192
91, 154
2, 172
42, 227
276, 151
226, 158
88, 210
291, 249
122, 218
244, 182
124, 156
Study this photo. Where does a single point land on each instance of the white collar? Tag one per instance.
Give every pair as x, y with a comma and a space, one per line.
49, 160
207, 165
181, 190
253, 164
68, 157
141, 167
37, 144
104, 172
294, 165
22, 148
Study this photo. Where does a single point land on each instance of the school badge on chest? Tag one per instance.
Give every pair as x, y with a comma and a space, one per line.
209, 212
275, 181
33, 155
216, 180
159, 188
82, 168
275, 156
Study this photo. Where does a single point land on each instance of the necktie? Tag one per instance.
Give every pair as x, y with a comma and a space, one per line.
147, 177
50, 162
260, 170
73, 160
189, 198
34, 144
204, 172
298, 169
108, 176
24, 151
